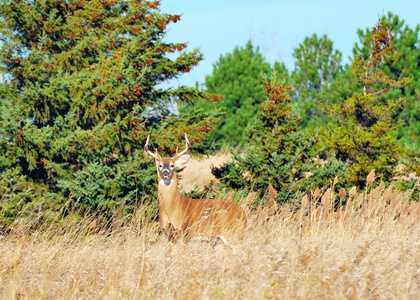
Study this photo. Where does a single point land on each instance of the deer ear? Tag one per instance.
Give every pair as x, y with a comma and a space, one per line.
182, 160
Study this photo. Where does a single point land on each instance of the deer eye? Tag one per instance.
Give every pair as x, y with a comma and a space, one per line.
160, 166
172, 166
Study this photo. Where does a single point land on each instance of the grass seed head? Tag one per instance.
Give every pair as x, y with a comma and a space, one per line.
371, 177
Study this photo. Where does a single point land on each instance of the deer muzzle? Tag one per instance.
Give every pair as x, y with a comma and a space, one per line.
166, 176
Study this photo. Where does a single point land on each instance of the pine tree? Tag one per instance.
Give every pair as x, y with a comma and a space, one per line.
317, 66
237, 77
82, 89
406, 41
363, 134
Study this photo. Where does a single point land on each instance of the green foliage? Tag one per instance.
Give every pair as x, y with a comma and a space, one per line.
276, 151
237, 77
82, 90
406, 41
317, 66
15, 193
364, 122
104, 187
324, 175
411, 159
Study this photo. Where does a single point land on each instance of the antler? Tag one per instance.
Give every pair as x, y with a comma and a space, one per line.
187, 146
157, 156
146, 149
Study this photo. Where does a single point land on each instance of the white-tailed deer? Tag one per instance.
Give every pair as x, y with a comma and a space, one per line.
181, 216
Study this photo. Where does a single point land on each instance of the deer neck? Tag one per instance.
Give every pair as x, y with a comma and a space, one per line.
168, 194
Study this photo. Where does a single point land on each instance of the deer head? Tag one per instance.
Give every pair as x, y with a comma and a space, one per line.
166, 166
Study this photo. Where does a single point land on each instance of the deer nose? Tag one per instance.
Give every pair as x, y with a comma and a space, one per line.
165, 173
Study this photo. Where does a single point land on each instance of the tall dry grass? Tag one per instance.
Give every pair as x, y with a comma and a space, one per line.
367, 249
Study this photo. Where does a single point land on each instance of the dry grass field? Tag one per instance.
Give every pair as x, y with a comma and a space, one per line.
367, 249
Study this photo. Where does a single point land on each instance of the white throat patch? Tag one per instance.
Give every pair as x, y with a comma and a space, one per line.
165, 182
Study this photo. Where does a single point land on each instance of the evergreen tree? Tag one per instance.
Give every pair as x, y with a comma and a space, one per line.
406, 41
237, 77
363, 134
277, 152
317, 66
81, 91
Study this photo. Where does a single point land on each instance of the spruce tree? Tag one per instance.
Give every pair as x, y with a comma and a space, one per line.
365, 121
406, 41
83, 87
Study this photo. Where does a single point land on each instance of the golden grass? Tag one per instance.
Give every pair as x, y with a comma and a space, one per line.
368, 249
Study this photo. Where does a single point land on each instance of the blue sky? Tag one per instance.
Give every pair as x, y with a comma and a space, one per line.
277, 27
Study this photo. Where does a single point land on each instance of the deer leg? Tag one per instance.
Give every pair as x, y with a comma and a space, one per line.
171, 233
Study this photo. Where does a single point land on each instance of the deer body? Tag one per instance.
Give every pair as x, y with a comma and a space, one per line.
181, 216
